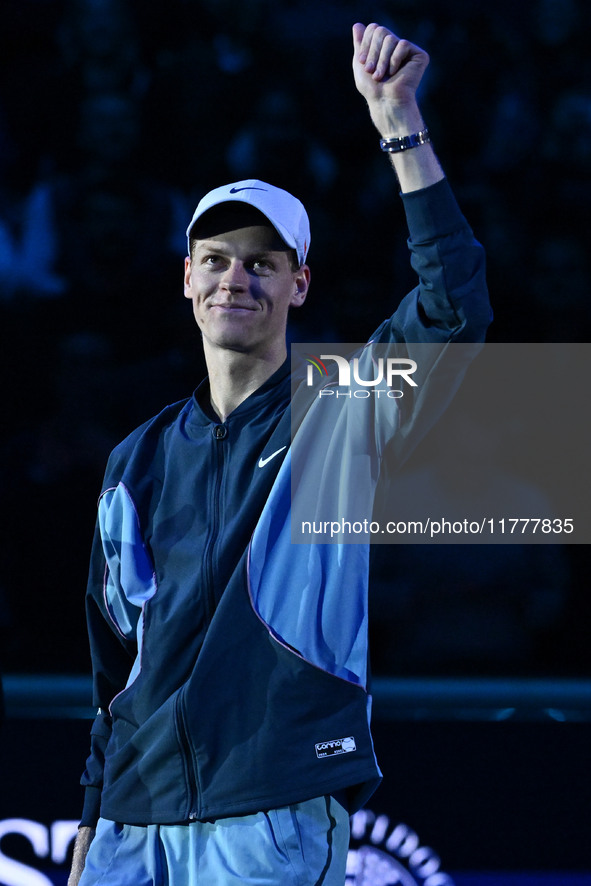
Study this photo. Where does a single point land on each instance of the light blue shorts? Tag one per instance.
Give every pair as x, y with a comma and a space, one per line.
301, 845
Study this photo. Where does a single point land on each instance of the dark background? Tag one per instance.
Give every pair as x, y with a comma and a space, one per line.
115, 117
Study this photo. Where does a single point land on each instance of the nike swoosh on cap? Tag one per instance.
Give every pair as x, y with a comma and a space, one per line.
264, 461
236, 190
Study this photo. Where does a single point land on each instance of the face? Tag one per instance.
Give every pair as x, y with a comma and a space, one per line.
242, 286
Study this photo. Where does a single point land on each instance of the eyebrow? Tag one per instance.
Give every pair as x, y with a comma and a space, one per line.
210, 245
222, 249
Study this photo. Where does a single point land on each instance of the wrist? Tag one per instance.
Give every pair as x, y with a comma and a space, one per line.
405, 142
395, 120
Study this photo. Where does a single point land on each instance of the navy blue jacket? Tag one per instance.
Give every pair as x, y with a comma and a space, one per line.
229, 664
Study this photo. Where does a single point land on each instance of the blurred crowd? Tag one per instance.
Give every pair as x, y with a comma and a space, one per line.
117, 115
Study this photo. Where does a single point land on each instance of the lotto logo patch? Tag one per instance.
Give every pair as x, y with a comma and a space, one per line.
335, 746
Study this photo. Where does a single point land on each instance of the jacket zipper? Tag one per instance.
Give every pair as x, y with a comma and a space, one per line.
219, 433
187, 750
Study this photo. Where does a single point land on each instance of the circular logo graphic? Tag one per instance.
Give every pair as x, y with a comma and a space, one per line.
385, 854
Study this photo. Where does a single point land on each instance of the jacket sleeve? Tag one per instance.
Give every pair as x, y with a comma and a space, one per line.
442, 322
113, 652
450, 302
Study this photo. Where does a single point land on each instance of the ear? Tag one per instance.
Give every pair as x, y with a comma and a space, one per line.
302, 282
187, 279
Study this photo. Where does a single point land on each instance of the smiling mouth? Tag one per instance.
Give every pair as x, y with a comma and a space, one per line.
232, 307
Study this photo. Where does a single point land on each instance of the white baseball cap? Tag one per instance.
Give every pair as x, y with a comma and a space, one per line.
285, 212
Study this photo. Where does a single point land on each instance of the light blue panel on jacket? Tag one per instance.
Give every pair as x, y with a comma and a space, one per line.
129, 581
312, 596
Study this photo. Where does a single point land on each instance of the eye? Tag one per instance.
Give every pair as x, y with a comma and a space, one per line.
212, 261
261, 265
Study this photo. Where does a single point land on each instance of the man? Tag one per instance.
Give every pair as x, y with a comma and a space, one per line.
232, 740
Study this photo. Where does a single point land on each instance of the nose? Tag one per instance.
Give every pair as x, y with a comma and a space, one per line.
235, 277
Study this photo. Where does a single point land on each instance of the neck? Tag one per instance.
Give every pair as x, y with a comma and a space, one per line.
234, 376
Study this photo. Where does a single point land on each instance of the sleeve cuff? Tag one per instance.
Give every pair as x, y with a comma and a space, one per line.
432, 212
91, 808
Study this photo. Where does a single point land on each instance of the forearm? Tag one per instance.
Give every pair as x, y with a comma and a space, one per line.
417, 167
